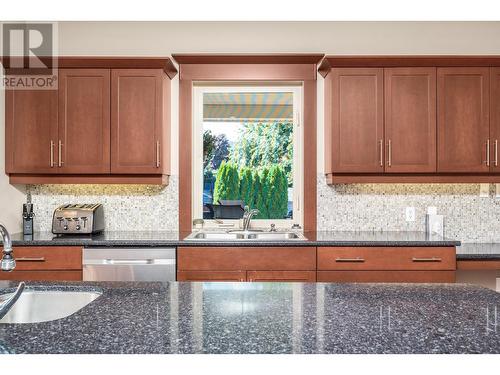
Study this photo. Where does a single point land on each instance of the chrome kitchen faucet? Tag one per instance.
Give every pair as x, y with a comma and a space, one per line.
247, 217
8, 261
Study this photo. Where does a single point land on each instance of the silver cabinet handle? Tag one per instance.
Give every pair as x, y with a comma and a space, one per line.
51, 154
389, 156
487, 153
127, 262
496, 152
381, 147
157, 154
350, 260
59, 150
433, 259
31, 259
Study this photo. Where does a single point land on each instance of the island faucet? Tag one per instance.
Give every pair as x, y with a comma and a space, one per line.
8, 262
248, 215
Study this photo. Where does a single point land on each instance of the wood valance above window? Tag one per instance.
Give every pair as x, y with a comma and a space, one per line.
283, 67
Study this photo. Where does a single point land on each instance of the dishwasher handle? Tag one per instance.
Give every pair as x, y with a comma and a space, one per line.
128, 262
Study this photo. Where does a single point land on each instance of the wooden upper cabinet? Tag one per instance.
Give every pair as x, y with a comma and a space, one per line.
30, 131
357, 120
463, 120
139, 117
108, 121
495, 119
84, 121
410, 120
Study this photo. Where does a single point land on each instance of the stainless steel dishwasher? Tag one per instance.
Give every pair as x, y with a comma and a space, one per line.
129, 264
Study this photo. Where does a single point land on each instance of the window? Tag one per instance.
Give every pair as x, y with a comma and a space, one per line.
247, 146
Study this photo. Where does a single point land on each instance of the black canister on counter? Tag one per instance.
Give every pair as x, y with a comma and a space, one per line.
28, 215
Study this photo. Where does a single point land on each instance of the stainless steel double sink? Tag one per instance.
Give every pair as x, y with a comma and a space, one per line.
251, 235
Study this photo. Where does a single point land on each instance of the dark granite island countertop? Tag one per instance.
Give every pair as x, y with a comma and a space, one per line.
267, 318
163, 238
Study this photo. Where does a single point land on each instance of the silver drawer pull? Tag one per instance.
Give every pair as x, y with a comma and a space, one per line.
433, 259
127, 262
350, 260
29, 259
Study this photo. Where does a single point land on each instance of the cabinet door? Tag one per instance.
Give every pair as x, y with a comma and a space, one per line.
386, 276
84, 121
357, 120
463, 119
233, 276
495, 119
48, 258
246, 258
386, 258
277, 276
136, 117
410, 120
42, 275
30, 131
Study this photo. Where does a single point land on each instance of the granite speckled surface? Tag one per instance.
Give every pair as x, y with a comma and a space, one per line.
267, 318
478, 251
163, 238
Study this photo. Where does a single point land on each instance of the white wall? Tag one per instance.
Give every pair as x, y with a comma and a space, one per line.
165, 38
11, 197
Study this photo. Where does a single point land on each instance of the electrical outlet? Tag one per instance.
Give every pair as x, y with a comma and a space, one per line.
410, 213
497, 190
484, 190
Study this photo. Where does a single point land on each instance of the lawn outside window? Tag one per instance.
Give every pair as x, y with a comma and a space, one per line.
248, 151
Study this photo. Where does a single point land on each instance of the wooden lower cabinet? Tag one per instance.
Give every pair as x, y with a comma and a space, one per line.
246, 258
479, 264
386, 258
323, 264
387, 264
246, 264
46, 263
42, 275
386, 276
297, 276
211, 276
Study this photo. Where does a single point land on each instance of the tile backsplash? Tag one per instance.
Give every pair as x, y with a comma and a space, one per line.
126, 207
468, 217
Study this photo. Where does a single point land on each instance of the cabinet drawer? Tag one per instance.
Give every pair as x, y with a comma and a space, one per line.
278, 276
42, 275
386, 258
386, 276
48, 258
211, 276
246, 258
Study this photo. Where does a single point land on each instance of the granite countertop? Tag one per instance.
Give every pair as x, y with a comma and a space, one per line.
266, 318
478, 251
161, 238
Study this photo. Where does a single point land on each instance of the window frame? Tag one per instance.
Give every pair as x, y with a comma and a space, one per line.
199, 88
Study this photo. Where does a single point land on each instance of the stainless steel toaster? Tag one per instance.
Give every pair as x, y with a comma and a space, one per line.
78, 219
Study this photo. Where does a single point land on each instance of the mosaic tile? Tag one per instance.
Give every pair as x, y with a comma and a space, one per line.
468, 217
126, 207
